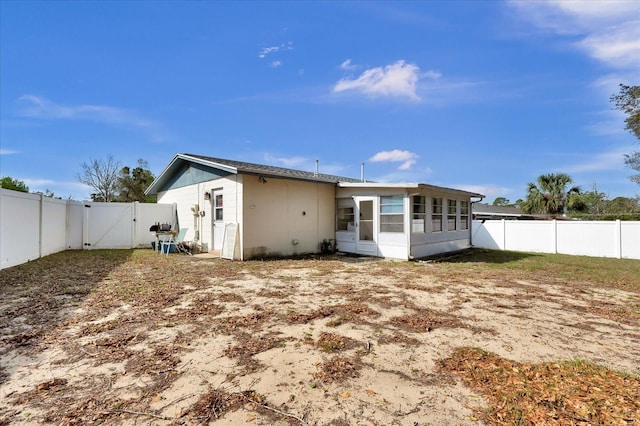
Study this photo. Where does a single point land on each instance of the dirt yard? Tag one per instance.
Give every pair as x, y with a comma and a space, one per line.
133, 337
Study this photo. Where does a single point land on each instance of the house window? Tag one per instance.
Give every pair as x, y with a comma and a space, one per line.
217, 206
345, 220
464, 215
452, 211
392, 213
436, 215
418, 213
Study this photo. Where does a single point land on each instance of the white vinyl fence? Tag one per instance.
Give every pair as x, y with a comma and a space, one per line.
32, 226
617, 239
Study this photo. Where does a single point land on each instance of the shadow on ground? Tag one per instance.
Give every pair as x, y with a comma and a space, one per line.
38, 295
480, 255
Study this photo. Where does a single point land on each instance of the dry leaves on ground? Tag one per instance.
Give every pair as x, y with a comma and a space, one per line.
558, 393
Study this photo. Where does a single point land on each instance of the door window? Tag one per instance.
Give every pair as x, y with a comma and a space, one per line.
218, 207
365, 232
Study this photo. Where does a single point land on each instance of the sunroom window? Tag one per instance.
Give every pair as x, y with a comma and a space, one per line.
418, 213
464, 215
392, 213
452, 211
436, 215
346, 208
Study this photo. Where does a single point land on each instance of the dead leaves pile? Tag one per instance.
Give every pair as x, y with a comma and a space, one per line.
563, 393
215, 403
425, 320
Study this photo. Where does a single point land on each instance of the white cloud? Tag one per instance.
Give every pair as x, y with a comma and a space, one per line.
611, 160
266, 51
348, 66
39, 107
38, 182
619, 46
608, 31
488, 190
8, 151
407, 158
290, 162
275, 64
413, 175
398, 79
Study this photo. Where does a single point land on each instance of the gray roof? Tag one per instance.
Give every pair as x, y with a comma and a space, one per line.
239, 167
242, 167
487, 209
262, 169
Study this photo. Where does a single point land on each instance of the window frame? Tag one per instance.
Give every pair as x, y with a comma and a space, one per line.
451, 203
436, 214
418, 215
344, 205
391, 221
218, 209
464, 215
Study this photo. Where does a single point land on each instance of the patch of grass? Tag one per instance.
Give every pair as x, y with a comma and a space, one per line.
623, 274
562, 393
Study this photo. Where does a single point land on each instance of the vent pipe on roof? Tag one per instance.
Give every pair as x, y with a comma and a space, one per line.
362, 172
317, 167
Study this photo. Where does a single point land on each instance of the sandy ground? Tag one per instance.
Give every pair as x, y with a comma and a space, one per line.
317, 342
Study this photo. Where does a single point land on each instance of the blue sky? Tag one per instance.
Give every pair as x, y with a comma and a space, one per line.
484, 96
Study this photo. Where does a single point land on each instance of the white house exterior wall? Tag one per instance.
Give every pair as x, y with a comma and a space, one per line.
187, 197
285, 217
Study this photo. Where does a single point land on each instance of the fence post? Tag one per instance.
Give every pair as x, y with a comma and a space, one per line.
618, 240
504, 234
40, 225
555, 236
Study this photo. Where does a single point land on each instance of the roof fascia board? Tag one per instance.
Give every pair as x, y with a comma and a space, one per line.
373, 185
151, 188
208, 163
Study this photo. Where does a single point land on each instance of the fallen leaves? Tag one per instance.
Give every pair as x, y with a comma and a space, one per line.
338, 368
559, 393
425, 320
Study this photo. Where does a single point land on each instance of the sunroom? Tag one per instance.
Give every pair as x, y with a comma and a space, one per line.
402, 221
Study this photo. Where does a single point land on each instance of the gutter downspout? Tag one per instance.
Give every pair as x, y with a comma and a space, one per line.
471, 219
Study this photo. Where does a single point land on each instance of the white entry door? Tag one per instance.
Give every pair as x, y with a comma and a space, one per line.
217, 218
366, 226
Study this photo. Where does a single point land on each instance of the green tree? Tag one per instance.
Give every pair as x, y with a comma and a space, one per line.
14, 184
550, 195
133, 183
623, 205
594, 201
502, 202
628, 101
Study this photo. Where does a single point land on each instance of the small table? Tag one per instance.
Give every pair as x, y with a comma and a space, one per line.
164, 237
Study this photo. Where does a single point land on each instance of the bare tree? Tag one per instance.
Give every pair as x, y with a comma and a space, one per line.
101, 175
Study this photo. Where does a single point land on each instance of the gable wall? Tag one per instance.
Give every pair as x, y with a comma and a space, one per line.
187, 196
192, 173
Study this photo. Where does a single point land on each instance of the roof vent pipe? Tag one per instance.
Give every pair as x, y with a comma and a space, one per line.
317, 167
362, 172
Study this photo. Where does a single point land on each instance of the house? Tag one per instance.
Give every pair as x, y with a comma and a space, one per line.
253, 211
489, 212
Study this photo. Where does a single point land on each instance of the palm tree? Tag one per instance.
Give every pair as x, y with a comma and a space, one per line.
550, 195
